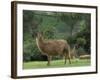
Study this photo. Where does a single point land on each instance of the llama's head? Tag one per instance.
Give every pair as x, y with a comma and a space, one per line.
40, 35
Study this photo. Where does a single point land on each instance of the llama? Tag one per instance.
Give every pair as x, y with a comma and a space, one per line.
53, 48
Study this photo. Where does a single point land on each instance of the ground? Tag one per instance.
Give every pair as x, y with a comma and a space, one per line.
56, 64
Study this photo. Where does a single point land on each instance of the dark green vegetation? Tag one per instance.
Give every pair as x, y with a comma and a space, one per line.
55, 64
73, 27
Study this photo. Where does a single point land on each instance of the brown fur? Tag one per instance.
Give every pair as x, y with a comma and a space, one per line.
53, 47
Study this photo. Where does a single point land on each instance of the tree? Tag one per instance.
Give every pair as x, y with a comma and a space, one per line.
85, 32
71, 20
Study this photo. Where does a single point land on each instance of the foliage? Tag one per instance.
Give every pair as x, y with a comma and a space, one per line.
81, 41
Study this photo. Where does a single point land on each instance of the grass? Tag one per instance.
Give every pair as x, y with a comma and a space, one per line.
55, 64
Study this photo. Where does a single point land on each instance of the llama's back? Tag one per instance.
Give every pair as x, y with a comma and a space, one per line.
54, 47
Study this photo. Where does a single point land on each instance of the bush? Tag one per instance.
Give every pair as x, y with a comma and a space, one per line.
81, 41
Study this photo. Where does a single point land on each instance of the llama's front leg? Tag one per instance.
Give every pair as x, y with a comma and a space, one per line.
49, 60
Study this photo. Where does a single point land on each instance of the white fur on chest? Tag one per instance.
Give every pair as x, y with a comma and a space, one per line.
37, 42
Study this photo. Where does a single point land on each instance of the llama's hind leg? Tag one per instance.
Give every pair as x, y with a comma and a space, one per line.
49, 60
69, 58
65, 58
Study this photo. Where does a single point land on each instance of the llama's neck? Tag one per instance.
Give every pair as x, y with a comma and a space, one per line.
40, 43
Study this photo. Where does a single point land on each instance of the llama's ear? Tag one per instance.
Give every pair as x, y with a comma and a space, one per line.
41, 33
38, 31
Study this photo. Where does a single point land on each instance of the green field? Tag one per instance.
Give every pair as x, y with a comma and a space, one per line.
55, 64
